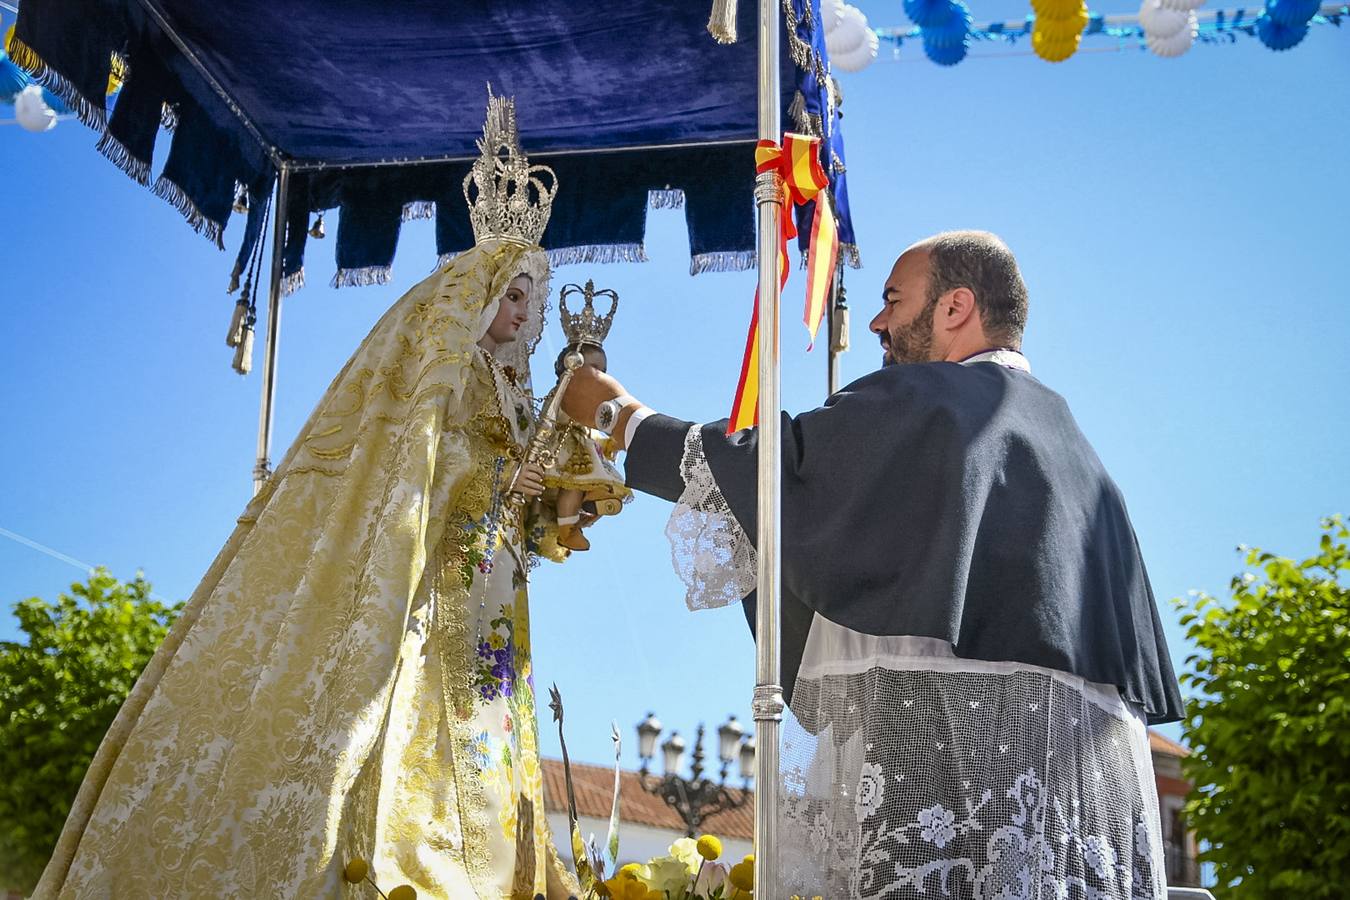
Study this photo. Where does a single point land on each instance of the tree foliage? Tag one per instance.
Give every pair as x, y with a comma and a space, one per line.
1270, 727
59, 692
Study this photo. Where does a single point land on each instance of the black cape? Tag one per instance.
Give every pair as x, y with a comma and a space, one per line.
946, 501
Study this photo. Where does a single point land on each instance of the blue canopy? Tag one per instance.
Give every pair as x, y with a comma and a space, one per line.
373, 108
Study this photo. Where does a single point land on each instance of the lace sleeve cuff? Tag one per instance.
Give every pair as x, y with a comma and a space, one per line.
711, 552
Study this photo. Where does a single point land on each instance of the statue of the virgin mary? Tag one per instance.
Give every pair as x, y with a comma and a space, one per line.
351, 679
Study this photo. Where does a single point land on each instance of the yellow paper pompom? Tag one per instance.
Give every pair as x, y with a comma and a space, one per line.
1070, 23
403, 892
356, 871
709, 847
1053, 49
742, 875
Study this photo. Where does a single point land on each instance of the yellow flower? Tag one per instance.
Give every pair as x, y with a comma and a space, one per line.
355, 871
626, 885
743, 874
403, 892
709, 847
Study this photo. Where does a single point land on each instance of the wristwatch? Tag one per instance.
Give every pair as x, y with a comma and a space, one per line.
607, 413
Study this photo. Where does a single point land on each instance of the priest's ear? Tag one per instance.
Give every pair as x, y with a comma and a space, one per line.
956, 310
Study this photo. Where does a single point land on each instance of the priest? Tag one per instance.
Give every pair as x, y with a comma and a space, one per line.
971, 649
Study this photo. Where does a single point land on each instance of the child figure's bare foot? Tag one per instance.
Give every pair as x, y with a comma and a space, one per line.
571, 537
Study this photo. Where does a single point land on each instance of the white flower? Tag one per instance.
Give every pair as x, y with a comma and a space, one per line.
871, 790
1099, 856
937, 825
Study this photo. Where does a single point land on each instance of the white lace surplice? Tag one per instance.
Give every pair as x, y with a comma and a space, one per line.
910, 772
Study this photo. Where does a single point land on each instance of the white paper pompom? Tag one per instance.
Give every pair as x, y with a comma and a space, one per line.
1174, 44
861, 57
31, 110
831, 14
1183, 5
1160, 22
850, 34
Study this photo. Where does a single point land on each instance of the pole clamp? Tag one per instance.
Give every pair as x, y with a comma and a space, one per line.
767, 704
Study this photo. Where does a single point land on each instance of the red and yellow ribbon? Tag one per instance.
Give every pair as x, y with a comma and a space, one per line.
797, 162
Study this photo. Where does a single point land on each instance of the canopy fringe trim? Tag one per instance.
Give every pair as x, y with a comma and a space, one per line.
138, 170
849, 254
419, 209
722, 261
197, 221
95, 115
597, 253
444, 260
362, 277
805, 122
292, 283
666, 198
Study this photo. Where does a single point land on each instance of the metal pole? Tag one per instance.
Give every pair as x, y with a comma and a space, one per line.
837, 326
263, 467
768, 697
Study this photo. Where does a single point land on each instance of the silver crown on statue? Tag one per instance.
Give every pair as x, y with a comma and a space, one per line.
586, 327
509, 200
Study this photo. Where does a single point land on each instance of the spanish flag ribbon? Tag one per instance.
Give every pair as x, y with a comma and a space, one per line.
797, 162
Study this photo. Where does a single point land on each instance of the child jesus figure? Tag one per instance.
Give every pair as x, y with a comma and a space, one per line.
583, 475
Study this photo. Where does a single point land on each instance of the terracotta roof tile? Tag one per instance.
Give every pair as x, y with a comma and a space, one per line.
594, 787
1159, 744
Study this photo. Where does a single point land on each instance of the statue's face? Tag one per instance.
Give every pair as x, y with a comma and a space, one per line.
512, 312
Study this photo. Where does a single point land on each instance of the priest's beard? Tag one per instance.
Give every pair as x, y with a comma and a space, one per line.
912, 343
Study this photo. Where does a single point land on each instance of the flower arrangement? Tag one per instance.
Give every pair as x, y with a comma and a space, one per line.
690, 871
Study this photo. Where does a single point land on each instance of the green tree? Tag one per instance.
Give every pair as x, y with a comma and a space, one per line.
59, 692
1270, 727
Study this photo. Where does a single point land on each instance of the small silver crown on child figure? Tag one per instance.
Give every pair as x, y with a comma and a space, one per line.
586, 327
508, 198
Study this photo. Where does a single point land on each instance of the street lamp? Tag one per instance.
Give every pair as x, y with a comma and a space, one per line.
695, 798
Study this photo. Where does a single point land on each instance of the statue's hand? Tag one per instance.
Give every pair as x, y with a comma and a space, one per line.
589, 388
528, 480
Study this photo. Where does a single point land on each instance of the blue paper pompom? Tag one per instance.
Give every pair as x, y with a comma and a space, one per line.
12, 79
927, 13
945, 54
1277, 36
951, 29
1292, 13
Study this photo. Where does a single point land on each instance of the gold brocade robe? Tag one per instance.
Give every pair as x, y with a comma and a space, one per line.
347, 680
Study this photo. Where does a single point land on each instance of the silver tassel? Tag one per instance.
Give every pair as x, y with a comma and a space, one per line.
722, 22
236, 332
839, 340
234, 282
316, 230
243, 354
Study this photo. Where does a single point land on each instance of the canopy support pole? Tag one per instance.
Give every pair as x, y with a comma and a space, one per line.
836, 326
767, 704
263, 467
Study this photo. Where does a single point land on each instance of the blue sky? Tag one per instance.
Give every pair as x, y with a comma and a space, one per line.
1181, 224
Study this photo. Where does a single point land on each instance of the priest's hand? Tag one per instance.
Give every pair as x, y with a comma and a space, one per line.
588, 389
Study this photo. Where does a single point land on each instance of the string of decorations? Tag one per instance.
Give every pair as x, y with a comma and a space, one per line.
1056, 28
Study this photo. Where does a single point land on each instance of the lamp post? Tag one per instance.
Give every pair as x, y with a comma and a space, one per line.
696, 798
